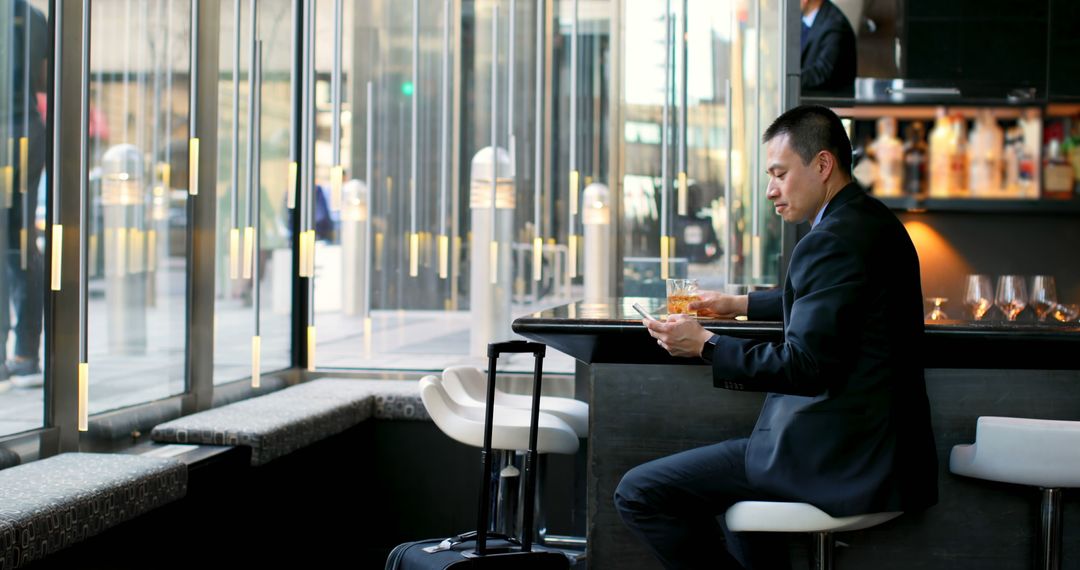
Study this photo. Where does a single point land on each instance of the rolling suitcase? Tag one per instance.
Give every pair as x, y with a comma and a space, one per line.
480, 549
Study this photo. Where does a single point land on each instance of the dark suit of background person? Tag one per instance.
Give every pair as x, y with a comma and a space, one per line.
828, 51
846, 423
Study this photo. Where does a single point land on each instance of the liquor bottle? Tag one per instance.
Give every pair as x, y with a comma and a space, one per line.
890, 155
915, 160
958, 171
1031, 128
1057, 173
984, 156
1011, 158
940, 155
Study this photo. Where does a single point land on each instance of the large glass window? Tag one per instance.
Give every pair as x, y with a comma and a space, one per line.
23, 138
137, 266
264, 264
712, 70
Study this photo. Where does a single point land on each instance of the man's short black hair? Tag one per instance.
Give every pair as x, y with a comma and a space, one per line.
812, 129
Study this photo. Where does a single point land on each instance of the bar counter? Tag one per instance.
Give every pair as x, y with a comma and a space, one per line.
642, 407
612, 332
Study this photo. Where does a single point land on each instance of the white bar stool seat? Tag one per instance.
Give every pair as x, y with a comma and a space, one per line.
772, 516
467, 384
471, 382
1022, 451
510, 427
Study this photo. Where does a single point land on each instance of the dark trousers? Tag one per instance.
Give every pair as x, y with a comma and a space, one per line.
672, 504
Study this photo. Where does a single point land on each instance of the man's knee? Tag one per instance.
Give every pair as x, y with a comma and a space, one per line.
632, 492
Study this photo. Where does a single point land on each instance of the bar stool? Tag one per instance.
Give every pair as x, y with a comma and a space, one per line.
769, 516
1038, 453
464, 422
468, 384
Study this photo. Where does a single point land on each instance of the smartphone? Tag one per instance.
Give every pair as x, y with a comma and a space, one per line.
644, 314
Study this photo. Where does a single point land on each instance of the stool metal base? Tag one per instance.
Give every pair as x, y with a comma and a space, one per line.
823, 551
1049, 551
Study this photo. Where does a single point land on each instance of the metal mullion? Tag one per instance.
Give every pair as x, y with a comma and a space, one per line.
61, 338
202, 209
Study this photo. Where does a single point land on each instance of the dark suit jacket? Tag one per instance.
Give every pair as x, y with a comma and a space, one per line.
846, 426
828, 59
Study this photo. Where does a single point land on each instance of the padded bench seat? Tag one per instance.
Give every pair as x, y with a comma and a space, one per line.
282, 422
53, 503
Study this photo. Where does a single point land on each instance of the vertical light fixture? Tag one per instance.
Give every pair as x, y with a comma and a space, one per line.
755, 193
193, 140
252, 192
511, 42
368, 245
665, 182
84, 218
729, 227
572, 238
24, 141
414, 239
166, 165
444, 146
337, 171
493, 248
292, 174
684, 99
309, 180
255, 203
57, 236
538, 239
234, 190
305, 141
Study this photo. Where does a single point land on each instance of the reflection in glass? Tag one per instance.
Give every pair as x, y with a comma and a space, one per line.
269, 144
138, 210
23, 82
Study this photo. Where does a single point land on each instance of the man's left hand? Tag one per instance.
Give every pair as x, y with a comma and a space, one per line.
680, 335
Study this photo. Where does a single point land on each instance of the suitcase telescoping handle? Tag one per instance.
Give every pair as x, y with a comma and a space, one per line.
494, 350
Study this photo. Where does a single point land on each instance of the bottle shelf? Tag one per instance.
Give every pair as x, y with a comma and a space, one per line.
984, 205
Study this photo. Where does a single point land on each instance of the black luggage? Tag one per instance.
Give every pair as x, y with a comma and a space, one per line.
481, 549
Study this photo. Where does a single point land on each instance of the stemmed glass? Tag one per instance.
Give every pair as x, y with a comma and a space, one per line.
1043, 295
1011, 295
937, 313
978, 296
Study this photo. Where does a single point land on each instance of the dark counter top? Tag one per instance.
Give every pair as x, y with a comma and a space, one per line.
612, 332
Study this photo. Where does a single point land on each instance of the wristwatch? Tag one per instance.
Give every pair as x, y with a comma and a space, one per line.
710, 346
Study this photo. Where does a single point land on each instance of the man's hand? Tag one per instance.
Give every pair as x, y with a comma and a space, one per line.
719, 305
680, 335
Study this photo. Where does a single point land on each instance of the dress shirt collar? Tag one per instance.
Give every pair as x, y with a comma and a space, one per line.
809, 18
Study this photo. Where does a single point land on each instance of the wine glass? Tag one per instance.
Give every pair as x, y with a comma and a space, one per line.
978, 296
937, 314
1066, 313
1011, 295
1043, 295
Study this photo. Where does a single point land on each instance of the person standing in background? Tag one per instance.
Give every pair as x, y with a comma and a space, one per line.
22, 290
828, 48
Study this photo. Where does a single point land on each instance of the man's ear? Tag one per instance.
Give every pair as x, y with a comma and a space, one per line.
824, 165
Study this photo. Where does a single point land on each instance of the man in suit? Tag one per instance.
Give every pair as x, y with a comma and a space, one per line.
828, 48
846, 423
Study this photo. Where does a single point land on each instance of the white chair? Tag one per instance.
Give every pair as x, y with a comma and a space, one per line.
766, 516
469, 384
1039, 453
